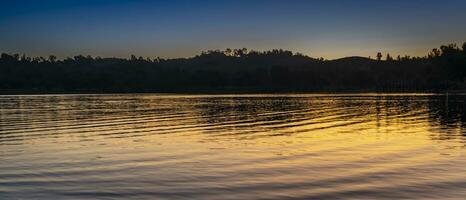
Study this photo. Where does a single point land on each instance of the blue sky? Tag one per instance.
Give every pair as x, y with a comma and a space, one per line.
329, 29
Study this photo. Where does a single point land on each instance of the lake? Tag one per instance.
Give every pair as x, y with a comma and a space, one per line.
153, 146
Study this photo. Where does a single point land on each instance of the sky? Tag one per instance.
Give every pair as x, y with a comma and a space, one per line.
183, 28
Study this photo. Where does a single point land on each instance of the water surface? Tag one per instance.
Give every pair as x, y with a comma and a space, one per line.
233, 146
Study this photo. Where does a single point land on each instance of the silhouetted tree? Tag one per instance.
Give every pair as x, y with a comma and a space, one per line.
52, 58
379, 56
435, 53
389, 58
228, 52
240, 52
234, 70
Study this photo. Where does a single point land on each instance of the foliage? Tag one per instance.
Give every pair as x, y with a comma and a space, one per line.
235, 70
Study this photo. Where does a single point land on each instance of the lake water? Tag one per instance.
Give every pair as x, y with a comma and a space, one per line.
233, 146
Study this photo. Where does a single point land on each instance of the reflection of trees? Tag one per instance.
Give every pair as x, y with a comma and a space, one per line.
252, 109
446, 121
448, 114
444, 116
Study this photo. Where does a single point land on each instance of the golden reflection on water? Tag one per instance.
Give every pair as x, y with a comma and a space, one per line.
233, 146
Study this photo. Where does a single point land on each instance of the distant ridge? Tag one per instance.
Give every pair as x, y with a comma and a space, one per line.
354, 59
236, 70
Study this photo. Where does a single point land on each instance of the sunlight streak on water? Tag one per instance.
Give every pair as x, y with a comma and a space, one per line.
233, 146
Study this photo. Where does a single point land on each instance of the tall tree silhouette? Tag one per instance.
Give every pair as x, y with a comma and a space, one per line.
379, 56
389, 58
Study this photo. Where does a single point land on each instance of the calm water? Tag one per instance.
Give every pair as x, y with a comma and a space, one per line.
233, 147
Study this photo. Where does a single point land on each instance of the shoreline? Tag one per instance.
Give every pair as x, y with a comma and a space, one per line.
368, 92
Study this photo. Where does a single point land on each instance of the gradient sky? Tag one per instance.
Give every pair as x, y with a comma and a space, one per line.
175, 28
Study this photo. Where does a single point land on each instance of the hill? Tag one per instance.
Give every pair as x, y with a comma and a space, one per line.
237, 70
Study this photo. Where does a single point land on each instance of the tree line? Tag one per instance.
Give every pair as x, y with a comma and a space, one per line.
236, 70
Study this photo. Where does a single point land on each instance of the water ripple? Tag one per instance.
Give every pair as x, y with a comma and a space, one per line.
349, 146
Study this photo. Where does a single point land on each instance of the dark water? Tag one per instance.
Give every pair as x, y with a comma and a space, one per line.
233, 147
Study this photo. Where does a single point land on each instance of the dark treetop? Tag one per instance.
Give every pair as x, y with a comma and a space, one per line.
237, 70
